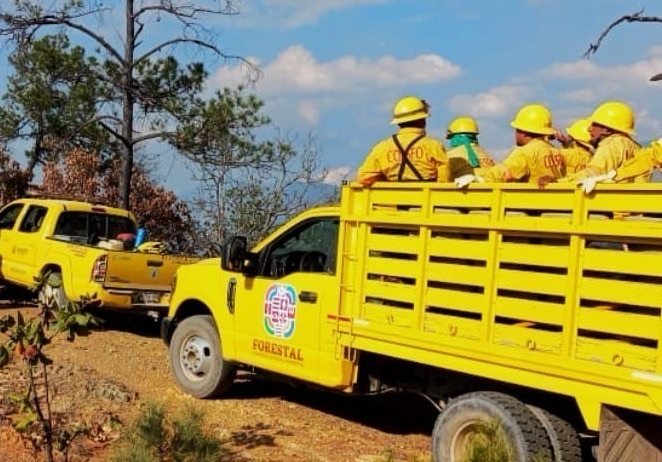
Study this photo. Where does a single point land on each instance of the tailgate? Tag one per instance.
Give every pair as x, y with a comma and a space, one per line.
142, 271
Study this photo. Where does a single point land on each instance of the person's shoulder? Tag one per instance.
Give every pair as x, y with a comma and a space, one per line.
618, 141
457, 150
433, 140
517, 150
382, 143
478, 148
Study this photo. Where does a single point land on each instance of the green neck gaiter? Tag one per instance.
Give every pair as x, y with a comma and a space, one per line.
465, 139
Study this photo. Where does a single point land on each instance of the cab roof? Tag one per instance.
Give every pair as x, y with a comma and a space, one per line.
75, 206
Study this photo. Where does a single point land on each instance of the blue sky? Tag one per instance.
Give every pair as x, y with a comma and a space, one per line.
334, 68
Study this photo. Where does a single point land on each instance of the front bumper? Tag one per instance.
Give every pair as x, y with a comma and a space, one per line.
166, 329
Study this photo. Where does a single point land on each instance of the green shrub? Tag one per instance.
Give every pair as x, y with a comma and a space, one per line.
489, 443
155, 437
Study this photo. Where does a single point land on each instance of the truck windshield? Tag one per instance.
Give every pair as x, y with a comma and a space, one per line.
90, 226
310, 247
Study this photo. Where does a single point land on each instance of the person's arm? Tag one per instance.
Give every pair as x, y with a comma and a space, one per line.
370, 171
598, 165
442, 163
642, 164
513, 168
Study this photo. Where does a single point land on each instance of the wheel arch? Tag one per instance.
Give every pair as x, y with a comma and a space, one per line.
55, 268
186, 309
62, 266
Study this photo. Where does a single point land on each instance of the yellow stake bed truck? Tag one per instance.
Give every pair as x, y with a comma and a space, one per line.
75, 244
538, 312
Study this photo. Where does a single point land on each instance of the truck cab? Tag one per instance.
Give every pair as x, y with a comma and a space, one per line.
277, 301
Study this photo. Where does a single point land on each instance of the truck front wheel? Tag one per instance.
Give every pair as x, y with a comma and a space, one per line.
488, 426
196, 358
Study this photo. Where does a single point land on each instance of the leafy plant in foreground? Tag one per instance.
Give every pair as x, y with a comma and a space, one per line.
25, 339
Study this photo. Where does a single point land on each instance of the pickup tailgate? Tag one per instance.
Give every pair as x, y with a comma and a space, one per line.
142, 271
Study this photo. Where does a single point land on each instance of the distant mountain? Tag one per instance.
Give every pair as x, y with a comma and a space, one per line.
319, 193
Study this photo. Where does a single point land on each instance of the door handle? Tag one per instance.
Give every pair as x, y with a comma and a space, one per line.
231, 294
306, 296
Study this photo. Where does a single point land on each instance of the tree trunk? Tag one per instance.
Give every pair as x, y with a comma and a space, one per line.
127, 110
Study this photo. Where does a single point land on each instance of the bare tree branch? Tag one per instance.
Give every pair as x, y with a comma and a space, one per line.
635, 17
30, 18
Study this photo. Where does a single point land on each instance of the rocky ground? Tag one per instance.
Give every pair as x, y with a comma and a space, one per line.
101, 382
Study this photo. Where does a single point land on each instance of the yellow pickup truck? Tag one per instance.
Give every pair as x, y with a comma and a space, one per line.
536, 314
75, 243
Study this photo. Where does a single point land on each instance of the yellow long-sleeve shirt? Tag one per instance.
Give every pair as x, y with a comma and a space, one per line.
640, 167
576, 158
427, 155
528, 163
458, 158
610, 154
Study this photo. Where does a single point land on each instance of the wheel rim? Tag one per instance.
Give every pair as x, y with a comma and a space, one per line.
464, 436
196, 357
472, 434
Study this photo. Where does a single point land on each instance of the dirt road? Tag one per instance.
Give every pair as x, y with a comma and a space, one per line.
109, 375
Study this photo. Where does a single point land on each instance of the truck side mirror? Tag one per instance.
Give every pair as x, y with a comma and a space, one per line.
234, 254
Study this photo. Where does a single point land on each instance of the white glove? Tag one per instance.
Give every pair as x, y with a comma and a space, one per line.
464, 180
588, 184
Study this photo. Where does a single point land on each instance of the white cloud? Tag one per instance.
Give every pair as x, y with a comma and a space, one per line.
627, 74
584, 95
309, 111
297, 71
336, 176
571, 90
576, 70
292, 13
498, 101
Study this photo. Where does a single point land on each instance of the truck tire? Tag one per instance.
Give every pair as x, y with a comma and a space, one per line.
488, 426
196, 358
51, 292
566, 446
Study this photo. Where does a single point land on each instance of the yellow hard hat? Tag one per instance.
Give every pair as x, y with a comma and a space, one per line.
410, 108
462, 125
615, 115
579, 131
534, 118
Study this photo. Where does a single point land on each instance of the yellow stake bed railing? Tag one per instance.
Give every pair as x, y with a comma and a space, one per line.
548, 289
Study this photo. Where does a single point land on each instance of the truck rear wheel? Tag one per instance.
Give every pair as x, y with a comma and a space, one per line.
51, 292
566, 446
196, 358
488, 426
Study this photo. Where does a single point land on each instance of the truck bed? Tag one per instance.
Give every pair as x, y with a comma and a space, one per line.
548, 289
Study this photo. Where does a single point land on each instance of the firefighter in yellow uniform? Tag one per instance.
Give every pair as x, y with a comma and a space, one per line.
408, 155
465, 154
611, 129
533, 158
578, 152
642, 165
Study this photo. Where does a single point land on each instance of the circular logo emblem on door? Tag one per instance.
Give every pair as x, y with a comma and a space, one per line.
280, 310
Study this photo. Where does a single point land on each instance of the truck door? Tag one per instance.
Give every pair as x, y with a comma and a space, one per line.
27, 243
8, 218
280, 312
